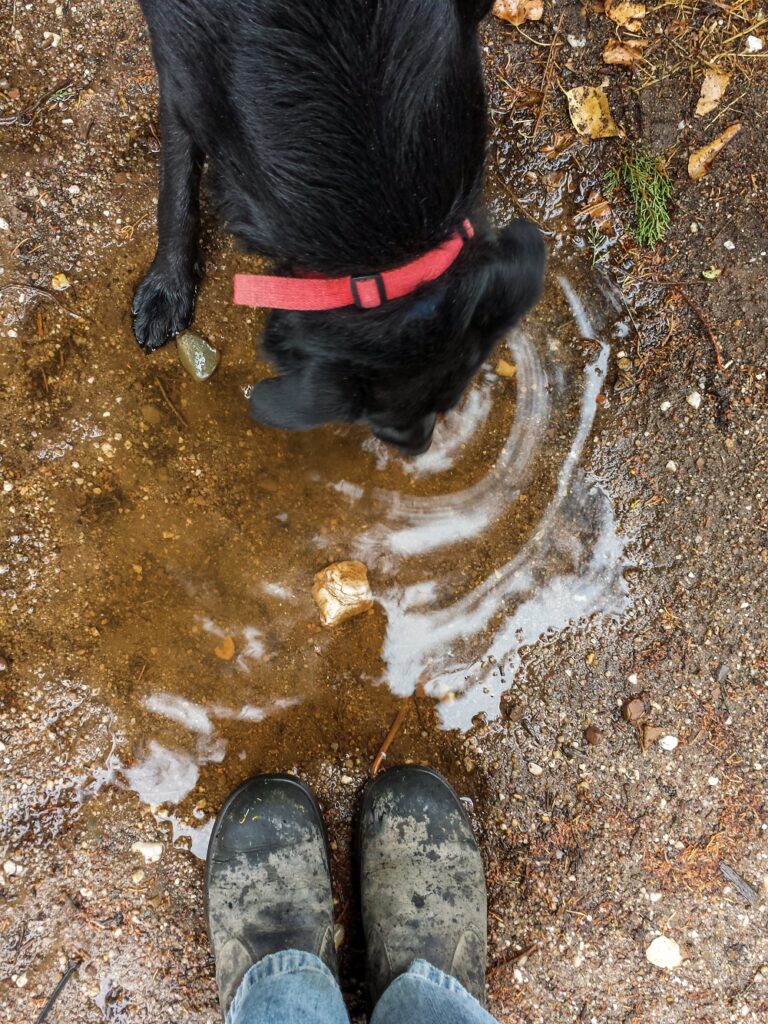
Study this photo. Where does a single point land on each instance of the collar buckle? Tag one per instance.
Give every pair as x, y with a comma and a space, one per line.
368, 291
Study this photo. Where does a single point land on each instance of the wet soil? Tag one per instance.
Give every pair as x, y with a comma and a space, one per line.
579, 534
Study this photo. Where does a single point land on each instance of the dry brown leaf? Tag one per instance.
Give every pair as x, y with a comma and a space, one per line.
590, 113
600, 211
648, 736
559, 143
712, 89
626, 13
626, 52
226, 649
700, 160
518, 11
633, 710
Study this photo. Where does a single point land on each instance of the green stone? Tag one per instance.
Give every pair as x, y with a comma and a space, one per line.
197, 357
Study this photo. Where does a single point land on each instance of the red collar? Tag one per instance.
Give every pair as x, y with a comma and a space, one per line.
366, 292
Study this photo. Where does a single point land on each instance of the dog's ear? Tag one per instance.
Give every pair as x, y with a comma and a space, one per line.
505, 280
474, 10
306, 398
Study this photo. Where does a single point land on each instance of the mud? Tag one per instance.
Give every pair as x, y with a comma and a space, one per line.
538, 566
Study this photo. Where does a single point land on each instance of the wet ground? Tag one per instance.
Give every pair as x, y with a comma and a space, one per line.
579, 534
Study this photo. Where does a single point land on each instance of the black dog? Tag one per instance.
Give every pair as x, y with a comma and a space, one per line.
344, 137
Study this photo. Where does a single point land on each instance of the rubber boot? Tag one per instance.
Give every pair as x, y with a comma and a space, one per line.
267, 879
422, 883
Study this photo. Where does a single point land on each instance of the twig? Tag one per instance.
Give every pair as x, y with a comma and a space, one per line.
169, 403
44, 295
515, 958
71, 968
26, 117
378, 761
742, 887
393, 731
513, 198
701, 316
546, 82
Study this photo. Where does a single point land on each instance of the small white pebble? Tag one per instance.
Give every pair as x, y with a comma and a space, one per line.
669, 742
535, 769
7, 486
664, 952
665, 406
694, 400
21, 981
4, 225
713, 780
577, 42
671, 466
754, 44
151, 852
729, 244
347, 780
10, 868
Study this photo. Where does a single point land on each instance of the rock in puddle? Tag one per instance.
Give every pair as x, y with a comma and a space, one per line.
342, 591
197, 357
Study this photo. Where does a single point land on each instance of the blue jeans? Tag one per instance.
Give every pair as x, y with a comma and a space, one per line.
292, 987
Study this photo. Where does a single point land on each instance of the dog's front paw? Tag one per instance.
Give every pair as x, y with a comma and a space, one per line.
163, 305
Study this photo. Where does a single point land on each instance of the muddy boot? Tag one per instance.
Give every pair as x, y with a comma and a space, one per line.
422, 883
267, 879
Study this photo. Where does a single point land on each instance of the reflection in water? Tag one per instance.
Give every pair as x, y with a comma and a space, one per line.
414, 525
571, 566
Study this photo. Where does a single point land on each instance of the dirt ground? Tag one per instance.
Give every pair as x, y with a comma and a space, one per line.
591, 530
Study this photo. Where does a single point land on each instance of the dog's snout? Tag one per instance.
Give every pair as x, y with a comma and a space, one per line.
410, 441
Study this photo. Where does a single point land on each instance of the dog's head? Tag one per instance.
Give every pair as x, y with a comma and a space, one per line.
401, 365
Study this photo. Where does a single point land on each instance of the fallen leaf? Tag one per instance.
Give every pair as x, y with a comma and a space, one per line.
700, 160
600, 211
626, 13
633, 710
559, 143
712, 274
518, 11
226, 649
59, 282
593, 735
590, 113
626, 52
712, 88
649, 735
505, 369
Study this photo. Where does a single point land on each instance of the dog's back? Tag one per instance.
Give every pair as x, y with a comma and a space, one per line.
339, 131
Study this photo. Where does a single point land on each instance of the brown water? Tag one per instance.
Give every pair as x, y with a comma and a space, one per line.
151, 521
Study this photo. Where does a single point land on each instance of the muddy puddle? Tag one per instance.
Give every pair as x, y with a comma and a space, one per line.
178, 603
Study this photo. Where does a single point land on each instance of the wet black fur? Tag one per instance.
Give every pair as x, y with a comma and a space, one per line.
343, 137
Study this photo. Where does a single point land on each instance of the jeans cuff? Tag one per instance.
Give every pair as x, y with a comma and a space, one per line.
287, 961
